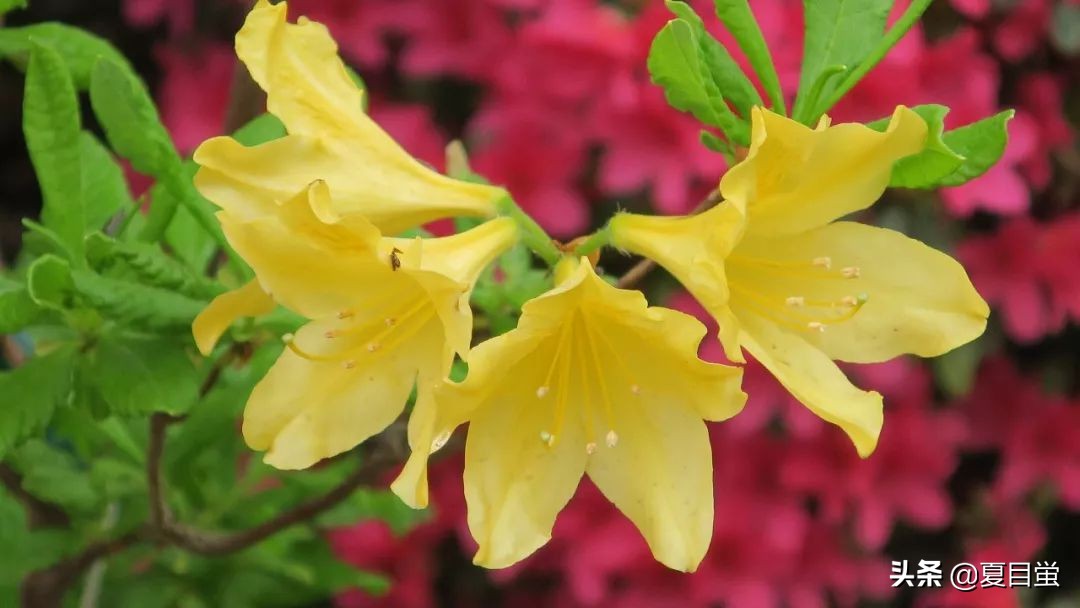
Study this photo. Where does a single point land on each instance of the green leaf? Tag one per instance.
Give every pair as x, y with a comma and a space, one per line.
148, 264
193, 241
49, 282
138, 375
30, 394
260, 130
981, 144
104, 187
127, 113
936, 161
55, 476
52, 130
675, 64
80, 49
739, 20
953, 157
907, 20
725, 72
838, 33
17, 308
6, 6
136, 305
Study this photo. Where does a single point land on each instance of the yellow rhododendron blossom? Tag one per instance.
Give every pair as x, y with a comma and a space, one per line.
591, 381
330, 138
796, 288
385, 314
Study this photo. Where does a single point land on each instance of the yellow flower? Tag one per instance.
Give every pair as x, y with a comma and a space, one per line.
330, 138
796, 288
385, 314
591, 381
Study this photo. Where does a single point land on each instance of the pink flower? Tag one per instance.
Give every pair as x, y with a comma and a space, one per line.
905, 477
1002, 189
194, 93
359, 28
1043, 447
647, 143
178, 14
573, 53
528, 150
450, 37
1023, 29
1041, 98
1027, 271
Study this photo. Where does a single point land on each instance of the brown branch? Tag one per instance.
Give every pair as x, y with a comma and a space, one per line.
46, 588
39, 514
642, 269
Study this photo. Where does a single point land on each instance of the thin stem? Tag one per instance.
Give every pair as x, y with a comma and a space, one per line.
899, 29
532, 235
595, 241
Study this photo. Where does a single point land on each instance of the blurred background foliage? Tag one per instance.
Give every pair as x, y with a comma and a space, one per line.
980, 456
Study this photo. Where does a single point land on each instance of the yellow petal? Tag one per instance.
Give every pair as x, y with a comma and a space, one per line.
247, 301
586, 363
795, 178
304, 411
311, 268
917, 300
298, 66
388, 187
660, 475
331, 138
693, 249
812, 377
462, 256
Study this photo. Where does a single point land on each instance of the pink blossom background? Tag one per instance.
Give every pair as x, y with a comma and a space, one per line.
980, 456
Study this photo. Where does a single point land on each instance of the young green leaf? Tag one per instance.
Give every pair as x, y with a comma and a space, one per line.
675, 64
55, 476
104, 187
936, 161
80, 49
148, 264
52, 129
139, 375
134, 304
981, 144
852, 77
17, 308
260, 130
739, 20
30, 394
193, 241
838, 33
49, 282
127, 113
725, 72
953, 157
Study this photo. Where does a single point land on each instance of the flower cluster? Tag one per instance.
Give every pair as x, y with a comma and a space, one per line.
563, 84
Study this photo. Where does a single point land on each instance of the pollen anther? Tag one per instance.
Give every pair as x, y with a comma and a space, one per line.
823, 262
795, 301
851, 272
816, 326
372, 347
635, 389
541, 392
611, 439
590, 448
349, 364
